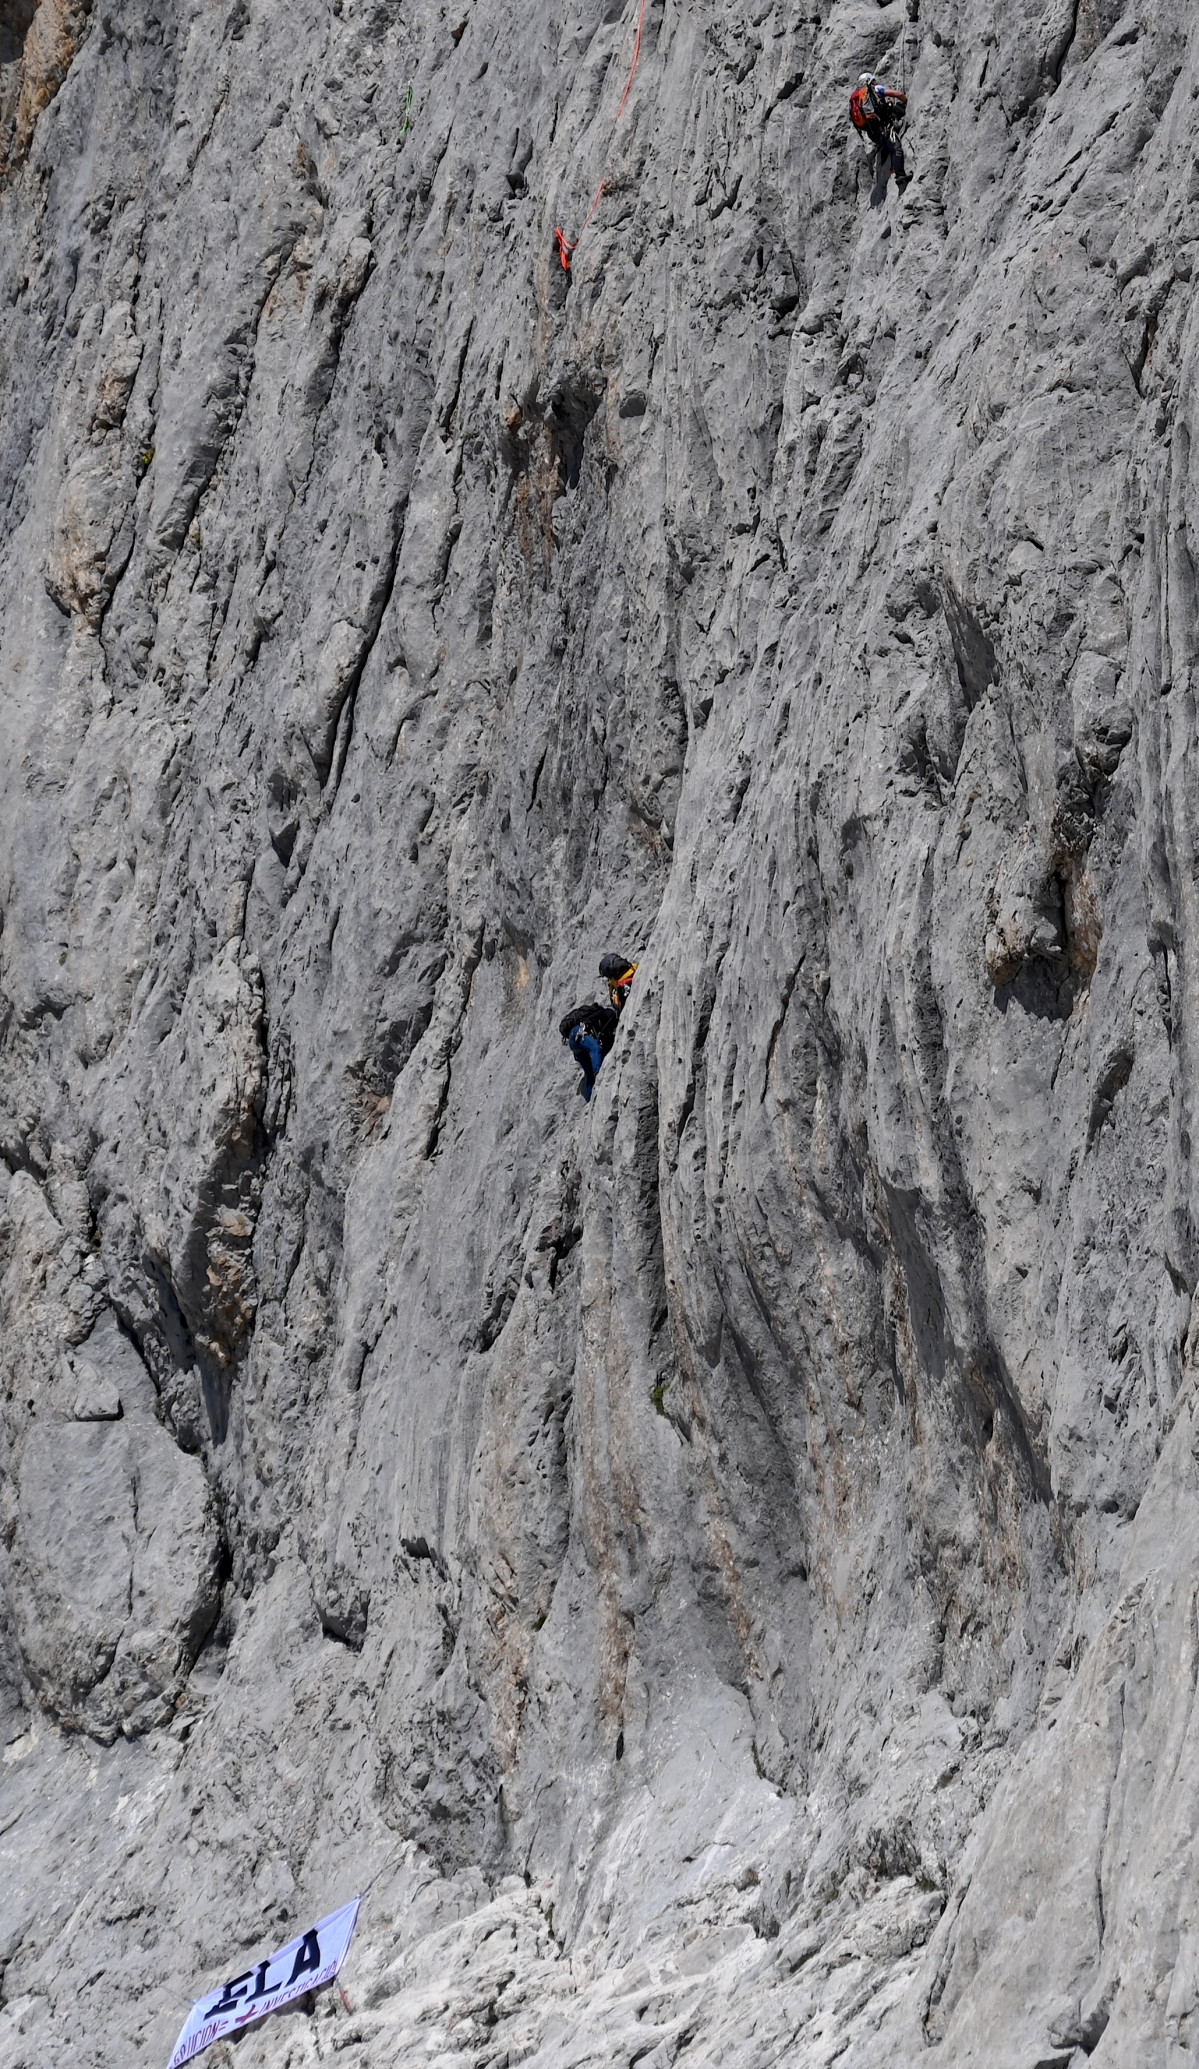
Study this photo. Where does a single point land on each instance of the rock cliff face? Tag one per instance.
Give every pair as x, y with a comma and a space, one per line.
722, 1561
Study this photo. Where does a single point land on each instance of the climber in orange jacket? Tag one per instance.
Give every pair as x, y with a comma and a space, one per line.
879, 112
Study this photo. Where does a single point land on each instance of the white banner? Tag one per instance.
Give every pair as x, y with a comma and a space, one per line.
303, 1965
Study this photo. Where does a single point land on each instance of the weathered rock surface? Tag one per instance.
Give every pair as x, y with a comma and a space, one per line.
723, 1561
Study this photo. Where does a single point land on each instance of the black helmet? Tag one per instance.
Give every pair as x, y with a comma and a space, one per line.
614, 966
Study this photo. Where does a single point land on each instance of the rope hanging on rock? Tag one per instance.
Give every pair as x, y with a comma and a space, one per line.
565, 245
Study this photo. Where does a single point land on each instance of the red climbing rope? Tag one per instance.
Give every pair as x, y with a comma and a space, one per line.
628, 85
566, 245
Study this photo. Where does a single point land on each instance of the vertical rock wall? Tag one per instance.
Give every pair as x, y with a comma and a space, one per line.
721, 1559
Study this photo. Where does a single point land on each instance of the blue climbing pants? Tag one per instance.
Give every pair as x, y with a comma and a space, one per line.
586, 1050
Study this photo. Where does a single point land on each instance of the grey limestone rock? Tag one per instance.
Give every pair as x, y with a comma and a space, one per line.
719, 1562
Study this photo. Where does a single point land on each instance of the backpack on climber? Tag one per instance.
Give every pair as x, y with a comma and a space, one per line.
880, 112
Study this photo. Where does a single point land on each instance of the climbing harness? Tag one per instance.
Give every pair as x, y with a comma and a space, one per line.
565, 245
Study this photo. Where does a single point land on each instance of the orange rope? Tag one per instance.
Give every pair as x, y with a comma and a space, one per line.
566, 245
633, 67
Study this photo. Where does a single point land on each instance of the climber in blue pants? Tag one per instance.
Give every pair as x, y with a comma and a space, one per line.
589, 1032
